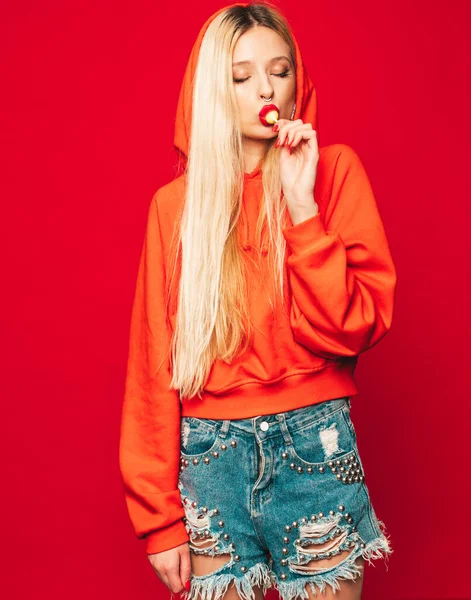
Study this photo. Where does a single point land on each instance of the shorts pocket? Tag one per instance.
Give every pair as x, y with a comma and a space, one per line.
323, 440
198, 437
349, 421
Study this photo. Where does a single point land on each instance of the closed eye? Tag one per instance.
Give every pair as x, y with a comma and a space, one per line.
284, 74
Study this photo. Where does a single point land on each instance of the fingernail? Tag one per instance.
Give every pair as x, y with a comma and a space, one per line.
187, 585
275, 127
277, 143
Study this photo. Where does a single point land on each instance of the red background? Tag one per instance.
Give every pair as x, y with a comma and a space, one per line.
87, 109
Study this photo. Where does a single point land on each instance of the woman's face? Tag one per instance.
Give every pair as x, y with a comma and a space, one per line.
266, 70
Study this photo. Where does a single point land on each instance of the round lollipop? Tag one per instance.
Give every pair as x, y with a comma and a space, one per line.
269, 114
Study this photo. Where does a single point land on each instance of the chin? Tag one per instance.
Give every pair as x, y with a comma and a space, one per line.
257, 134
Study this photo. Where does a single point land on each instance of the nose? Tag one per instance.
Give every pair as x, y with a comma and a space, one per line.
266, 90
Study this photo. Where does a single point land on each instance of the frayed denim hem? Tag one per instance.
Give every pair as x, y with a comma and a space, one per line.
347, 569
213, 586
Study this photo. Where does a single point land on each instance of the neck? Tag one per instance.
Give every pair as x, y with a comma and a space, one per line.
254, 150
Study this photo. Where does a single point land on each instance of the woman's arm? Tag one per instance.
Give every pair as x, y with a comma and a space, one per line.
342, 276
149, 450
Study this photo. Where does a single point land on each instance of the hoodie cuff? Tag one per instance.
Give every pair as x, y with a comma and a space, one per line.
164, 539
305, 235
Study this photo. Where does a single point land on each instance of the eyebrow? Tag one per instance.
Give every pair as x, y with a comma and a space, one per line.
248, 62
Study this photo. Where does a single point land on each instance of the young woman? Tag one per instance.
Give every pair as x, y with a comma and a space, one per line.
264, 273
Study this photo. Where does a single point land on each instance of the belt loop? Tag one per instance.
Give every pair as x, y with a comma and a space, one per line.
224, 428
284, 429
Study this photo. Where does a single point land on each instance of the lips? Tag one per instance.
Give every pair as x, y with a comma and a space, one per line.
265, 113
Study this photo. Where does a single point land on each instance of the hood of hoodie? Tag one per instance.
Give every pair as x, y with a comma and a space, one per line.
306, 100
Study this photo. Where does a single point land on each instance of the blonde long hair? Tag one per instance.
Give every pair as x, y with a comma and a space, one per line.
212, 320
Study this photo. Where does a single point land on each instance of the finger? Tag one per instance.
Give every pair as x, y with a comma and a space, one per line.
185, 565
173, 578
293, 133
288, 130
302, 135
285, 125
281, 122
163, 577
283, 137
286, 139
153, 562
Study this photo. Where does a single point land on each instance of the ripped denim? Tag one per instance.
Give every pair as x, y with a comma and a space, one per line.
278, 494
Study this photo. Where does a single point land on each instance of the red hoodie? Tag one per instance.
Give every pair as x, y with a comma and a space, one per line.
340, 290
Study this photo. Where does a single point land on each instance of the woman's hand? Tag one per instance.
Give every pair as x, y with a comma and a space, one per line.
173, 567
299, 155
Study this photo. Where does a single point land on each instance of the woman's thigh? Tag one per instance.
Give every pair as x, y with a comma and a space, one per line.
278, 501
217, 472
314, 508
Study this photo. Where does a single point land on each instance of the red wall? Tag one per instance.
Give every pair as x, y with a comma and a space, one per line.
87, 110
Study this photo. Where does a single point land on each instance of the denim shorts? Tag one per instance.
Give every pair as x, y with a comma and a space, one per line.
276, 493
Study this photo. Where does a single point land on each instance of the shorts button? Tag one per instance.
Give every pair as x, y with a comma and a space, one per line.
264, 426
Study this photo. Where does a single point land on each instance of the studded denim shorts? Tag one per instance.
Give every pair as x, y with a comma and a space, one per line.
278, 494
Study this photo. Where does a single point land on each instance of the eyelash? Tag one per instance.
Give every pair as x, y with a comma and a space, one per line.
282, 75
